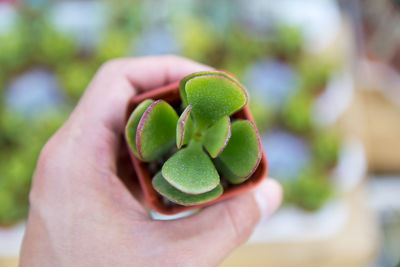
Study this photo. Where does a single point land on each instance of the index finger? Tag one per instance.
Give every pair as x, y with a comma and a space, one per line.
117, 81
96, 124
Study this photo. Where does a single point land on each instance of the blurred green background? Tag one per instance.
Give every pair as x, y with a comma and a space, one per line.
318, 72
49, 51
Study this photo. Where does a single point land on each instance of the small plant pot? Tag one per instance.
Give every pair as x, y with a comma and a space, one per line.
153, 200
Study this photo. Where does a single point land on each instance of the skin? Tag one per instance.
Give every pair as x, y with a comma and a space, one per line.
82, 213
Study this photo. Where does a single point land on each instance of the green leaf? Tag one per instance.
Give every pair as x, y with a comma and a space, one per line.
212, 97
184, 128
156, 131
227, 173
165, 189
133, 122
183, 82
191, 170
242, 154
217, 136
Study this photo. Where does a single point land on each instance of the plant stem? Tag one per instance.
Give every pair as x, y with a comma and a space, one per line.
194, 143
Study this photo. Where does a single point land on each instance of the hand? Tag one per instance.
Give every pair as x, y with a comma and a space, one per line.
82, 214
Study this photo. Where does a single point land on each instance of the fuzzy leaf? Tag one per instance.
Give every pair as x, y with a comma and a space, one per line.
242, 154
191, 170
182, 84
133, 123
212, 97
156, 131
165, 189
227, 173
217, 136
184, 128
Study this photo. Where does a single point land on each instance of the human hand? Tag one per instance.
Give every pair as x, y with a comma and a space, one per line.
82, 214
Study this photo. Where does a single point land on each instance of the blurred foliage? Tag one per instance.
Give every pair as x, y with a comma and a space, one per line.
288, 43
326, 145
241, 48
75, 77
54, 47
197, 42
2, 88
115, 45
20, 143
261, 113
12, 47
297, 113
310, 191
217, 39
315, 73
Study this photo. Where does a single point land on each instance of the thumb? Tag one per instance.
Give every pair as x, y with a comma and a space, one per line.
219, 229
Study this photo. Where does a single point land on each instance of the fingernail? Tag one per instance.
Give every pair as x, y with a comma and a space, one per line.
268, 196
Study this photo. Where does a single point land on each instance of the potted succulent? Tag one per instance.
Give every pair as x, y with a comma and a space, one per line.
211, 152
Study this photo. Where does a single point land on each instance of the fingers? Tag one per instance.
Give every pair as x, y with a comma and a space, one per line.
268, 196
115, 83
219, 229
98, 120
91, 137
151, 72
85, 149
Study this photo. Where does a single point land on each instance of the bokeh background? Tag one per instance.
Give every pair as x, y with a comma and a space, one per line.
324, 81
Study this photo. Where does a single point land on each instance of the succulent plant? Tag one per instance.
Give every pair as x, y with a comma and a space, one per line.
211, 146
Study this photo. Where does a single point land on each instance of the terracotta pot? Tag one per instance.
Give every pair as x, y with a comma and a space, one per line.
170, 94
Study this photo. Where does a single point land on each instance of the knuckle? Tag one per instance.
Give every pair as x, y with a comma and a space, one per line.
45, 170
38, 179
51, 152
45, 156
